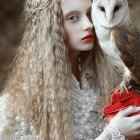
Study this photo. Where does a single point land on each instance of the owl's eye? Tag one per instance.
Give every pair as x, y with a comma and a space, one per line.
102, 8
117, 7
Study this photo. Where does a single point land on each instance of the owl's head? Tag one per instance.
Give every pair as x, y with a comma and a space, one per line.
110, 13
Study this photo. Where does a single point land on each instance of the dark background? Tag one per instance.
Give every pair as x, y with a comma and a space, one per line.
11, 30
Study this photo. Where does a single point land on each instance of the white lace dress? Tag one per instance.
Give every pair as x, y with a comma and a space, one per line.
22, 129
88, 121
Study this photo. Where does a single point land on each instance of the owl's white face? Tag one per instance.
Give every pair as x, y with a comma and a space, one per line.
110, 13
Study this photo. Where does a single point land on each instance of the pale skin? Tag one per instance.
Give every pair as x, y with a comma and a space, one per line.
77, 22
80, 36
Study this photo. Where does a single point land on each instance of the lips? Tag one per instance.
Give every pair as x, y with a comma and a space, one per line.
88, 38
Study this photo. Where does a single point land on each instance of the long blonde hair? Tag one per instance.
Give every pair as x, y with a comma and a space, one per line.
39, 85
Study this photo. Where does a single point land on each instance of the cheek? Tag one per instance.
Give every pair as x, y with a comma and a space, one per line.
73, 40
72, 32
70, 35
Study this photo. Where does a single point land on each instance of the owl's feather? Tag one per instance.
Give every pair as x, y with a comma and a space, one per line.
127, 40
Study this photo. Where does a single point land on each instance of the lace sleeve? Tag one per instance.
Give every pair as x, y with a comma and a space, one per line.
111, 134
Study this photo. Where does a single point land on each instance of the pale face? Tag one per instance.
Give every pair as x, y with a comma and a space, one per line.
78, 25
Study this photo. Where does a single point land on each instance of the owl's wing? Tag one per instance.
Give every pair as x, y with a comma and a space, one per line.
127, 40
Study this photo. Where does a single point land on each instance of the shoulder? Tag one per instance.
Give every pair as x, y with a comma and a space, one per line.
3, 99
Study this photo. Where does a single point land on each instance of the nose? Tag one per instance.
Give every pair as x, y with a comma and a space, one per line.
87, 24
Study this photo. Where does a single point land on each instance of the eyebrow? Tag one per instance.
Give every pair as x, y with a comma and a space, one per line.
75, 11
71, 12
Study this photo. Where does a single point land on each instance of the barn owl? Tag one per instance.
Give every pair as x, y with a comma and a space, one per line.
107, 15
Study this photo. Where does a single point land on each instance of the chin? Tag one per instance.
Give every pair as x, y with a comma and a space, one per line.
87, 47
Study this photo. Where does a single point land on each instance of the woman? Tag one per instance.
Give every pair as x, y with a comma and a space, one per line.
61, 79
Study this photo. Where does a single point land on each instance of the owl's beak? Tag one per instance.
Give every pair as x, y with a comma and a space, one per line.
109, 17
109, 20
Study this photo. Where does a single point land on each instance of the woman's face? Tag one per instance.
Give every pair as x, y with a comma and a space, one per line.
78, 25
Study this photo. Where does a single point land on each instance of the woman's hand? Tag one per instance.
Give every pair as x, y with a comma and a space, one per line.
128, 126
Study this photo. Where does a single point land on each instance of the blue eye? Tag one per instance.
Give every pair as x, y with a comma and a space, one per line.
72, 17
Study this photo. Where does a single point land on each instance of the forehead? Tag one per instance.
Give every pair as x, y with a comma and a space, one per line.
73, 5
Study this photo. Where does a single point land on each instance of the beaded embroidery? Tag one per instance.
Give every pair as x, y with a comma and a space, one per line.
88, 120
